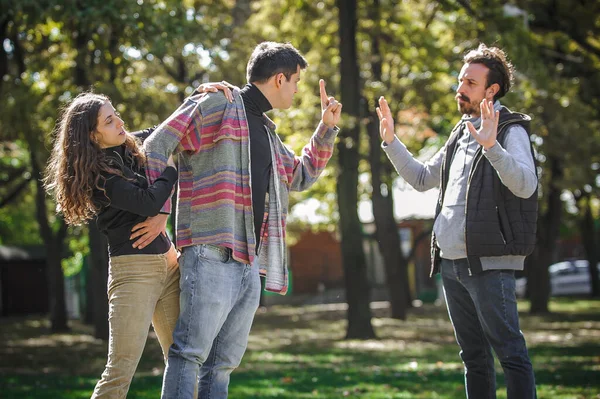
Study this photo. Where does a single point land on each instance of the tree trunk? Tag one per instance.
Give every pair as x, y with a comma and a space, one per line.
98, 278
387, 235
3, 55
88, 316
56, 280
546, 252
588, 235
54, 244
353, 256
113, 51
382, 198
80, 72
241, 11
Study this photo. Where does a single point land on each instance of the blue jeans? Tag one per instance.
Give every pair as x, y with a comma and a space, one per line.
219, 297
483, 311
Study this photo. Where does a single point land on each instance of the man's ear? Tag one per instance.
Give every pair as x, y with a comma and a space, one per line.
279, 78
492, 90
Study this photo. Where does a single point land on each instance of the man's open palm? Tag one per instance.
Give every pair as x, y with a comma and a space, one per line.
386, 121
488, 131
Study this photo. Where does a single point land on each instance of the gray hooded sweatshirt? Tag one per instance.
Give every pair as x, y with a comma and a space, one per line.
513, 163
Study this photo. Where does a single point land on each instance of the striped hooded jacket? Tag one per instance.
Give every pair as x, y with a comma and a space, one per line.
215, 197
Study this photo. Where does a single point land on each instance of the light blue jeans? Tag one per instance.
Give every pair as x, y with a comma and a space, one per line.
483, 311
219, 297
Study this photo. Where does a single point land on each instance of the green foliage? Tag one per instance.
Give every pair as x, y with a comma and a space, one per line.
143, 54
78, 249
17, 222
149, 54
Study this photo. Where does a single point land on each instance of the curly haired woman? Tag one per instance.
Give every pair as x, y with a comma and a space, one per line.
97, 170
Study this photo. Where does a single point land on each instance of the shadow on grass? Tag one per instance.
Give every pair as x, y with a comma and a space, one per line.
292, 382
28, 347
299, 352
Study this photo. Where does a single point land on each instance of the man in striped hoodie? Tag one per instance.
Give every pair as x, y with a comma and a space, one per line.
235, 175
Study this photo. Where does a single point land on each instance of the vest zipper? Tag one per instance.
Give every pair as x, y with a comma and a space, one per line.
476, 158
500, 222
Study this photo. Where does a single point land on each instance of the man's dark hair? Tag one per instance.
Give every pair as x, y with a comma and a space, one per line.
270, 58
500, 69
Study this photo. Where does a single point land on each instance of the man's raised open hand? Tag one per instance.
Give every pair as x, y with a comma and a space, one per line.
488, 131
386, 121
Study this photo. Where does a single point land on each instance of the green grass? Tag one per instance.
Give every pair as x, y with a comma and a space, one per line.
299, 352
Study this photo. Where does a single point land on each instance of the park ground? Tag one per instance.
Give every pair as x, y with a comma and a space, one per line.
300, 352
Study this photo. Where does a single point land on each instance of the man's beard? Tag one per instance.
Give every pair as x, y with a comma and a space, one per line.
466, 107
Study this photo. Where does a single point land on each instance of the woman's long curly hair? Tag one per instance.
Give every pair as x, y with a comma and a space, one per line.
77, 161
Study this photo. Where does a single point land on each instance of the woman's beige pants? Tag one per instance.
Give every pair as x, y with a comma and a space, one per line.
141, 289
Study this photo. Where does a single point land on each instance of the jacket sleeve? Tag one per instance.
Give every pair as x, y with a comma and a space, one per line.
315, 155
514, 163
422, 176
179, 132
143, 134
123, 194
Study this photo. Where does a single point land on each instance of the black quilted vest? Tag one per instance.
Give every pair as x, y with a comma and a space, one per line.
498, 223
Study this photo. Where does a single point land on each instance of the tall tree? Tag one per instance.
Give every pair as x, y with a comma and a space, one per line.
549, 220
22, 86
589, 236
353, 256
98, 277
54, 242
387, 235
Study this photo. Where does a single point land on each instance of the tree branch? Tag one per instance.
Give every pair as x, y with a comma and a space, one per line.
197, 76
14, 193
40, 198
12, 175
171, 72
432, 16
581, 41
462, 3
541, 26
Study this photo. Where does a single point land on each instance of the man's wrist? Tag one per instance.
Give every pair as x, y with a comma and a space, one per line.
489, 146
330, 126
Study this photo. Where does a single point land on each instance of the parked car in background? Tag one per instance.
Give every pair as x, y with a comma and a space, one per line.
571, 277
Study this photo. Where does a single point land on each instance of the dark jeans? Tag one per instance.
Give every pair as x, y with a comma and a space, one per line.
483, 311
